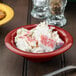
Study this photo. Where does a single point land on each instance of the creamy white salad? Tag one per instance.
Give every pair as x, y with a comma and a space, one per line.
38, 40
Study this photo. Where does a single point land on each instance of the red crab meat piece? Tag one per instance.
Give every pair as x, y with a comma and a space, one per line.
47, 41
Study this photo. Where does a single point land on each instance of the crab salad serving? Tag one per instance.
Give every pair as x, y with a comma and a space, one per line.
40, 39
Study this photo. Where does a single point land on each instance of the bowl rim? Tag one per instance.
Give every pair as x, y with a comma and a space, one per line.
67, 45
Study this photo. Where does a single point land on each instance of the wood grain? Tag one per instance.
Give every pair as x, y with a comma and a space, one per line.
70, 55
10, 63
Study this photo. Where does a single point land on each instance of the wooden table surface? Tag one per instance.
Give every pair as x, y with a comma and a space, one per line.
15, 65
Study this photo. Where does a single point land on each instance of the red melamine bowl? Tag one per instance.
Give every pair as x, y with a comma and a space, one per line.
39, 57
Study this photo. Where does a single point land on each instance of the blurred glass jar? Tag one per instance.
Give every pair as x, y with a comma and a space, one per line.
56, 9
40, 9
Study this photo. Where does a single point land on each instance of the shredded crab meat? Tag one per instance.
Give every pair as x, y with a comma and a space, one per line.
38, 40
